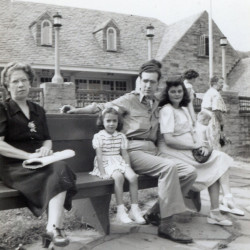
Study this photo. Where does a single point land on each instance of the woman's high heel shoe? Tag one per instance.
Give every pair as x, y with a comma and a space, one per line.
228, 205
57, 236
46, 240
215, 217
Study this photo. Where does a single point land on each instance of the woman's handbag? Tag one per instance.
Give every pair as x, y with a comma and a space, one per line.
199, 157
224, 140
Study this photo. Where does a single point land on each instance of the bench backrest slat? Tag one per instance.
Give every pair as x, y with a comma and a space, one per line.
74, 132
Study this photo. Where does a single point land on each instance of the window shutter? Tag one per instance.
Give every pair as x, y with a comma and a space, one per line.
204, 45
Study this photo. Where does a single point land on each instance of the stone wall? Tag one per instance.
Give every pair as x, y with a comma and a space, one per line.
57, 95
185, 55
237, 126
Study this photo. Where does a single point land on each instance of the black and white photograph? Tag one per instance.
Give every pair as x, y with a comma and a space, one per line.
124, 124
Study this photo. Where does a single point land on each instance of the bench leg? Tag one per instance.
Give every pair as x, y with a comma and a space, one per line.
95, 212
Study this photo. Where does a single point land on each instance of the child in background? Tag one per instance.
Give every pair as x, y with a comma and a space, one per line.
189, 77
112, 161
202, 129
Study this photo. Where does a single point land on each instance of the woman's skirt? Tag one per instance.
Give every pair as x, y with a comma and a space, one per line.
40, 185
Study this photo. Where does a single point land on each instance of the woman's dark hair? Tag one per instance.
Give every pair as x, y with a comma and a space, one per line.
113, 111
165, 97
152, 66
14, 66
190, 74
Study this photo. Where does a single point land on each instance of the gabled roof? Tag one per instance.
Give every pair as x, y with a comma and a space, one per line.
173, 33
104, 24
78, 46
239, 77
46, 13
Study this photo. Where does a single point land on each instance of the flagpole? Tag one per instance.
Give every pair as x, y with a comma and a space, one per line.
210, 29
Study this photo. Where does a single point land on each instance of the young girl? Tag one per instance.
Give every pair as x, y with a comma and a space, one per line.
112, 161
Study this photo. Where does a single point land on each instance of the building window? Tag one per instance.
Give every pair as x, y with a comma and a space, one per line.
95, 84
45, 79
204, 46
111, 39
81, 84
108, 85
121, 85
46, 33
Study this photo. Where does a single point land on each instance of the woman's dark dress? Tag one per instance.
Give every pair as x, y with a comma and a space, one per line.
40, 185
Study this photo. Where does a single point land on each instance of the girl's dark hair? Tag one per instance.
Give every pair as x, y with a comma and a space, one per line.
113, 111
165, 97
190, 74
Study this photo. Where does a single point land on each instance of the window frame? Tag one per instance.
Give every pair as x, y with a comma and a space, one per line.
203, 46
109, 42
49, 31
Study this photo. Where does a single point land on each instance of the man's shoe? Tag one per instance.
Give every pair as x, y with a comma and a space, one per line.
196, 198
152, 218
171, 232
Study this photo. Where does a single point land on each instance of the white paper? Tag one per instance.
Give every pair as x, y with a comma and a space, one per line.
43, 161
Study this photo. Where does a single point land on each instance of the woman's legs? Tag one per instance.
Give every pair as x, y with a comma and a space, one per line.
215, 215
55, 222
56, 211
228, 204
214, 191
224, 182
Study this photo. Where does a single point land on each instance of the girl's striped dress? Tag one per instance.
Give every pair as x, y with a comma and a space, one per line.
111, 145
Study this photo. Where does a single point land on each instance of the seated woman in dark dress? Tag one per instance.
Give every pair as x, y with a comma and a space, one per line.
24, 135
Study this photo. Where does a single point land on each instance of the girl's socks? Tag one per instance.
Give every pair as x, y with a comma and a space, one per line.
135, 214
122, 215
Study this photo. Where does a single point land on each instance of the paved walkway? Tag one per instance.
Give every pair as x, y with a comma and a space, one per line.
206, 236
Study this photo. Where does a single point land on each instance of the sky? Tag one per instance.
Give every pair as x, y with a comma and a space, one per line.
231, 16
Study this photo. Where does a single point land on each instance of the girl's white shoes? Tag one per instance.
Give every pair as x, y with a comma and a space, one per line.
228, 205
122, 216
134, 215
217, 218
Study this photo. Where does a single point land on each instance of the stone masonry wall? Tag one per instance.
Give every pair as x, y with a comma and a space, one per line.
236, 127
184, 55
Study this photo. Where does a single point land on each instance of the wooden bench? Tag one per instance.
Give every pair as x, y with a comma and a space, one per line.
93, 198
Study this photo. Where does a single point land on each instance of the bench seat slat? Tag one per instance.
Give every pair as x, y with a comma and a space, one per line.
87, 185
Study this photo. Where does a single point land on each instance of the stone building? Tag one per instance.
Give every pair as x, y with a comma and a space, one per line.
103, 50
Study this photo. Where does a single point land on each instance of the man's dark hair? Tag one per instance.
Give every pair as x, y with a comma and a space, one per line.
152, 66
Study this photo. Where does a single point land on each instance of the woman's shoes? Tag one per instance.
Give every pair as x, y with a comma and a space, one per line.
135, 215
217, 218
228, 205
57, 236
